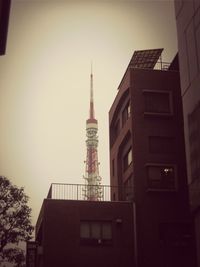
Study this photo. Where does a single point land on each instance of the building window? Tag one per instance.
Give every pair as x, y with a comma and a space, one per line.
113, 167
128, 188
126, 113
96, 233
161, 144
158, 102
117, 127
161, 177
127, 160
194, 141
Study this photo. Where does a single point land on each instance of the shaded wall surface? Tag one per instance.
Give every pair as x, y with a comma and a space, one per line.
154, 132
58, 233
188, 32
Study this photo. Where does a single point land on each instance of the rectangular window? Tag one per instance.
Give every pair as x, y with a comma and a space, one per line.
161, 177
85, 230
126, 113
161, 144
117, 128
96, 233
127, 160
106, 231
158, 102
128, 188
113, 167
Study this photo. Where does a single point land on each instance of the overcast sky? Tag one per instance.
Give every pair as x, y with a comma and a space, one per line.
45, 82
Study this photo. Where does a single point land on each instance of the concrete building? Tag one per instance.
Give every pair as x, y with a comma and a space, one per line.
147, 223
147, 153
85, 233
188, 32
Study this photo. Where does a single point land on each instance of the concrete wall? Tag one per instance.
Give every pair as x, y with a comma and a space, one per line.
60, 238
157, 211
188, 31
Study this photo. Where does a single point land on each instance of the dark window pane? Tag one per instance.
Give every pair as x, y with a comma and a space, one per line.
126, 113
106, 231
128, 188
96, 233
157, 102
113, 167
161, 177
127, 160
85, 230
95, 230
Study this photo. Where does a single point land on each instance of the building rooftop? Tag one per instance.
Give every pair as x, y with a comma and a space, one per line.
145, 59
77, 192
150, 59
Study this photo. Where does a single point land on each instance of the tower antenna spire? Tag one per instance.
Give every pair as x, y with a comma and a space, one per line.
93, 188
91, 95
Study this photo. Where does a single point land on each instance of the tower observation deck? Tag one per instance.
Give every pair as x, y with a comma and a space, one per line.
93, 188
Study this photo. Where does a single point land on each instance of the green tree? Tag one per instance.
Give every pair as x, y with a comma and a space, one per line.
15, 222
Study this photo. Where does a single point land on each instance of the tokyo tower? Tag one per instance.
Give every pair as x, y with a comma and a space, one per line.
93, 188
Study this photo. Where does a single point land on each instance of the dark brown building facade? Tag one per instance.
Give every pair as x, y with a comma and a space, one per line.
147, 160
188, 32
85, 233
4, 20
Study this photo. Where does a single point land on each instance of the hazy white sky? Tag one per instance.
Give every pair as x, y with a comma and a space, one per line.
44, 82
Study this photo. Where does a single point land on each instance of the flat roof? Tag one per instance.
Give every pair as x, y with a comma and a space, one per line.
143, 59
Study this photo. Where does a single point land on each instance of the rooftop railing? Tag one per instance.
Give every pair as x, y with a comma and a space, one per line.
78, 192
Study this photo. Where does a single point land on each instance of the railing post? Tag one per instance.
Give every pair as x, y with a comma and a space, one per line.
50, 192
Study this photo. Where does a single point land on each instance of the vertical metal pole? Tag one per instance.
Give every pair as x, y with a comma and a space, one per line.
161, 62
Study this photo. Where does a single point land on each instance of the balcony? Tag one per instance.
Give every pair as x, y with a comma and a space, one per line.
77, 192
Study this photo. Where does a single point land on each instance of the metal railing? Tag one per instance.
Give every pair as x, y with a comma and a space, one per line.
77, 192
161, 65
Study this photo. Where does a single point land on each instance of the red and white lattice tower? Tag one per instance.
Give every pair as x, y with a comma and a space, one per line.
93, 188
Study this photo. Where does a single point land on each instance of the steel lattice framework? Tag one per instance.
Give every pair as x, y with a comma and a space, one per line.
93, 188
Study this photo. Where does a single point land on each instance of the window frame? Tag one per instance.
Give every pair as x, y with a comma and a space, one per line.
158, 113
126, 113
128, 188
126, 162
162, 189
113, 167
91, 240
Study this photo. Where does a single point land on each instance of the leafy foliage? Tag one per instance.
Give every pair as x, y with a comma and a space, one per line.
15, 223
